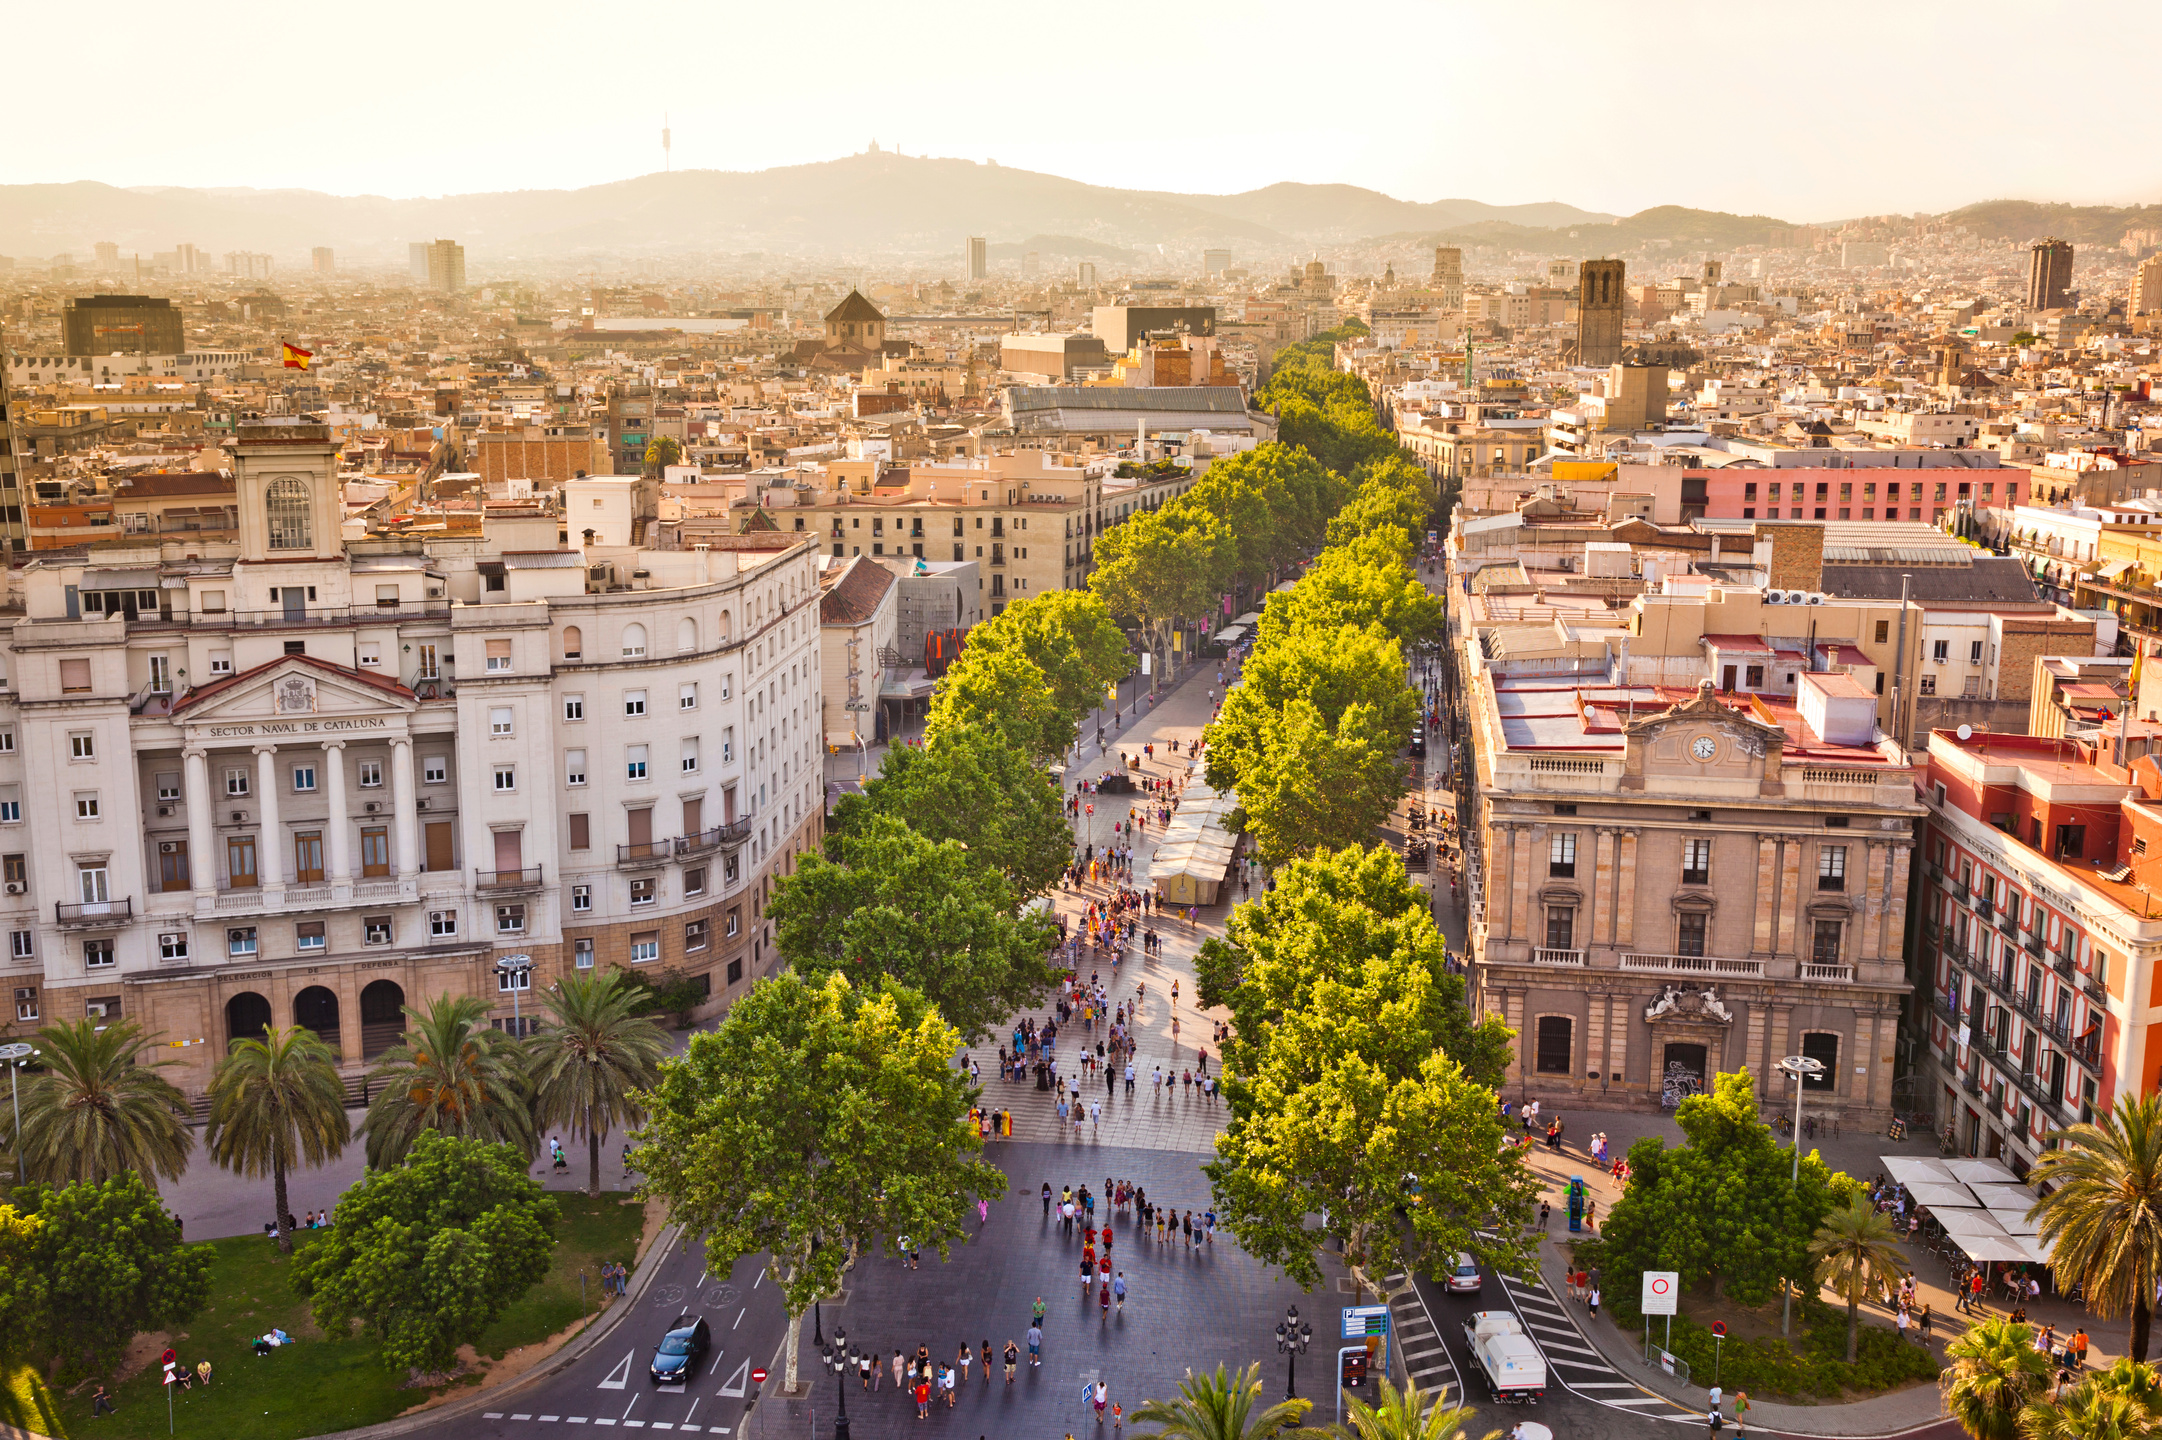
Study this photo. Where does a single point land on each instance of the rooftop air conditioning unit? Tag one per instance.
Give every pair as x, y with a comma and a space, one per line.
240, 817
15, 887
373, 806
1818, 597
420, 804
1775, 597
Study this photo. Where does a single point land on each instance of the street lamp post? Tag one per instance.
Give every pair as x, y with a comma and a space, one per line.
840, 1362
1803, 1069
515, 968
1293, 1335
14, 1055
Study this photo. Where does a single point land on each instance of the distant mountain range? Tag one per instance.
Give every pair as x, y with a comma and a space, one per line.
880, 204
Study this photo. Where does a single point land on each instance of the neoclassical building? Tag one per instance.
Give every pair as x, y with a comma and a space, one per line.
316, 775
1673, 884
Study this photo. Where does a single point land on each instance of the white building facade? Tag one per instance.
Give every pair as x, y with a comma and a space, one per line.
296, 780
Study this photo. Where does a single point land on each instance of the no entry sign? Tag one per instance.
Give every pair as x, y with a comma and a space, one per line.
1661, 1288
758, 1376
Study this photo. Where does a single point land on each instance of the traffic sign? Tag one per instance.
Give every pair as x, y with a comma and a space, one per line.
1661, 1289
1719, 1329
758, 1376
1361, 1321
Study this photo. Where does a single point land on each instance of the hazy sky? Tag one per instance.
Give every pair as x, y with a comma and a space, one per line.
1805, 112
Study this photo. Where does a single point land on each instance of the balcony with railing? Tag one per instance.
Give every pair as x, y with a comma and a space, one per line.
94, 912
1568, 959
734, 833
1691, 965
640, 853
1828, 973
507, 881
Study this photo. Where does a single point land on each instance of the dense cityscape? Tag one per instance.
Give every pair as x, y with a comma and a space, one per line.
703, 803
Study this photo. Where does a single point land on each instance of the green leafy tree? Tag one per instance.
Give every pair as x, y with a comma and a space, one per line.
1334, 931
2103, 1211
1274, 499
1159, 570
1355, 1078
428, 1251
1333, 671
593, 1059
1991, 1372
978, 788
1722, 1208
113, 1263
276, 1104
2137, 1382
1856, 1251
1352, 586
663, 451
814, 1121
1409, 1413
1223, 1404
891, 902
101, 1109
1004, 692
451, 1074
1393, 492
22, 1284
1304, 788
1071, 638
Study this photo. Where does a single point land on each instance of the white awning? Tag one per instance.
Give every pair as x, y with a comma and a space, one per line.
1980, 1172
1963, 1225
2005, 1197
1231, 634
1943, 1197
1913, 1170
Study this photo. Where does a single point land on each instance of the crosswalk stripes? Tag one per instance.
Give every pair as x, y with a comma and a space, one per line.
1563, 1342
1426, 1355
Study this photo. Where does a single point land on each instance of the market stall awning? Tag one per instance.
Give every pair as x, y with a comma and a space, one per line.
1962, 1225
1995, 1247
2015, 1222
1231, 634
1942, 1197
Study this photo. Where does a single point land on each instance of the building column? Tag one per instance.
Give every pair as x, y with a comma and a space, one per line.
1617, 1036
1625, 889
1873, 902
1602, 879
1521, 921
270, 861
1595, 1042
1790, 895
1862, 1052
1767, 896
1754, 1055
1500, 879
339, 842
1892, 923
202, 830
404, 814
348, 988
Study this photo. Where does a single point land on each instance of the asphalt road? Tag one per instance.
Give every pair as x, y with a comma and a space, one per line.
610, 1386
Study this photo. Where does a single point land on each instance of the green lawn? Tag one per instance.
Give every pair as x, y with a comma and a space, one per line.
316, 1385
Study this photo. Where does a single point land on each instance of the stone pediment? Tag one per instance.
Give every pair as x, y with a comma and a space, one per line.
295, 695
1703, 741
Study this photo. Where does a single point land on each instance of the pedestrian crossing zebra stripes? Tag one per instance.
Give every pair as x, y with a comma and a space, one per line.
1426, 1357
1574, 1363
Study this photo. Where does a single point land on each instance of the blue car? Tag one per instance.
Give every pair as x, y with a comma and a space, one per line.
680, 1350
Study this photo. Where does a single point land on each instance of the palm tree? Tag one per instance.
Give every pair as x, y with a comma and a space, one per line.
1991, 1372
2103, 1211
101, 1108
1219, 1406
1403, 1415
1856, 1251
2088, 1412
276, 1103
449, 1072
2136, 1382
586, 1065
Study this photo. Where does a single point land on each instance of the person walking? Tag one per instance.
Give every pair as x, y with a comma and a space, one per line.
923, 1398
966, 1356
1118, 1289
1046, 1199
1013, 1361
1741, 1412
1102, 1399
987, 1362
1035, 1346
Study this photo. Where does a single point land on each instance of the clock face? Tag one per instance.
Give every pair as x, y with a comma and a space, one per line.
1703, 747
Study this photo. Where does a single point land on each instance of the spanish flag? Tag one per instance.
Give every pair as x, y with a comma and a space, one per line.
297, 358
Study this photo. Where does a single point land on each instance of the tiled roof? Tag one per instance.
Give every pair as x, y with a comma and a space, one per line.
854, 595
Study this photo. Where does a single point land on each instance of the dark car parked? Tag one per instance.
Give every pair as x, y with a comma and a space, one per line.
676, 1358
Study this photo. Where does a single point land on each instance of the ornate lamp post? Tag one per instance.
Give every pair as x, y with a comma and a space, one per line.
1803, 1069
1293, 1335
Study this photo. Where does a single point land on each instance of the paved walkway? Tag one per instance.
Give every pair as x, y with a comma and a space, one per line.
1178, 1117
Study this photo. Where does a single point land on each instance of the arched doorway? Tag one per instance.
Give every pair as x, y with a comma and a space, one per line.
382, 1017
316, 1008
247, 1016
1684, 1075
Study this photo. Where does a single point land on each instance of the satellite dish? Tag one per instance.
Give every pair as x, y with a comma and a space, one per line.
1966, 732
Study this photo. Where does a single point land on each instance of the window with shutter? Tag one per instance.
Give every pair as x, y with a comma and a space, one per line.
74, 677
